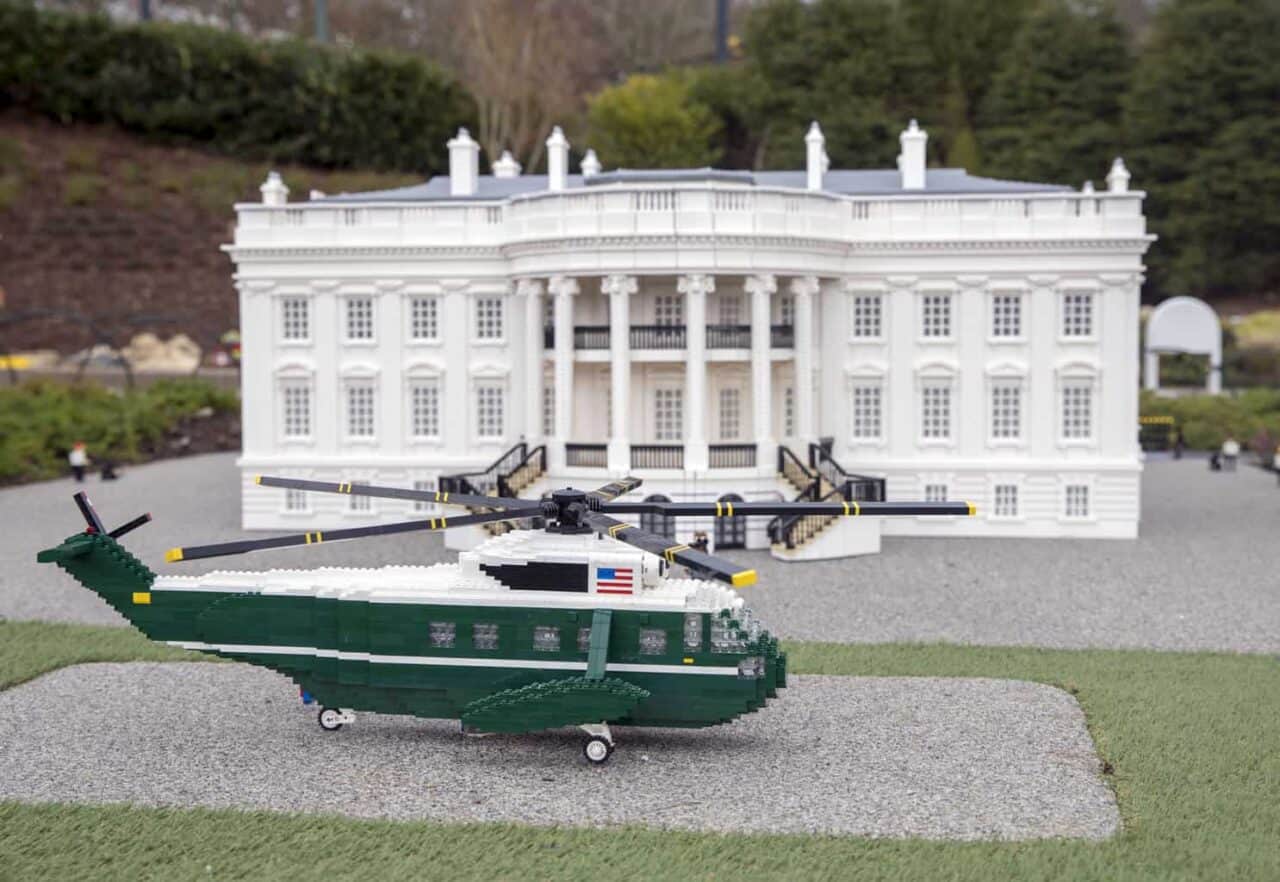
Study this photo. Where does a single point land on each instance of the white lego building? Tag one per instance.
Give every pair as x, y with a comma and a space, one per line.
959, 337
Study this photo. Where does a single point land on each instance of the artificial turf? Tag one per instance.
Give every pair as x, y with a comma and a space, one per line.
1189, 742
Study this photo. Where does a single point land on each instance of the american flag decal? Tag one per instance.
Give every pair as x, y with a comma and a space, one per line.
614, 580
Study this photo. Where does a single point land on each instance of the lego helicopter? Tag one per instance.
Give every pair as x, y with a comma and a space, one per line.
581, 622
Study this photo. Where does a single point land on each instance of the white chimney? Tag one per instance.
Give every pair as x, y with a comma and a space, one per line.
1118, 177
273, 190
590, 164
464, 164
557, 159
1087, 189
317, 194
506, 167
814, 154
911, 161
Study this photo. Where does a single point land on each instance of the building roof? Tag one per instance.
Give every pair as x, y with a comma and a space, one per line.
849, 182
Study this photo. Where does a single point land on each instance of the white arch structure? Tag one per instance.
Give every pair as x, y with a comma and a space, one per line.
1183, 324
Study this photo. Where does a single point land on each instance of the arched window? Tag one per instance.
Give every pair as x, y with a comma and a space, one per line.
731, 532
659, 524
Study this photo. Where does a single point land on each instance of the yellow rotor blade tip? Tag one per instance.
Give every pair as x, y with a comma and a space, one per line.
173, 555
257, 479
743, 578
973, 509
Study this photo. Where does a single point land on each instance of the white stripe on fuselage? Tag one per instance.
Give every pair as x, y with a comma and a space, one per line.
244, 649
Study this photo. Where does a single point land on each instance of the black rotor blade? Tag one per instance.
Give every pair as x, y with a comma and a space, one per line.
90, 516
852, 508
132, 525
444, 498
672, 552
614, 489
195, 552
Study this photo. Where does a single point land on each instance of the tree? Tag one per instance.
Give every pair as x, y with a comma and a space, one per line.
1054, 109
652, 122
1205, 91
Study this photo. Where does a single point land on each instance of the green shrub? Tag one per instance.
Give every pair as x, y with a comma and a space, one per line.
10, 188
40, 421
652, 122
286, 101
81, 189
1252, 418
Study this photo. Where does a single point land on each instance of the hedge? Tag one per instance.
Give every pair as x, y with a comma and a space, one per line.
286, 101
1252, 417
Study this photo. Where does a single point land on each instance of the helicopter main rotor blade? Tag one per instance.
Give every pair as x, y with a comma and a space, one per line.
672, 552
195, 552
444, 498
614, 489
852, 508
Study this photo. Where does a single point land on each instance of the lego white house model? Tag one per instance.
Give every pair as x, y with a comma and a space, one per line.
918, 333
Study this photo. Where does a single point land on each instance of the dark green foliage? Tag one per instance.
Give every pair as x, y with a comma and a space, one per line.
285, 101
40, 421
1202, 124
1054, 109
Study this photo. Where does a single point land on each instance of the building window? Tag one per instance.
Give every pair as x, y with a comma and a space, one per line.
653, 641
484, 636
490, 406
424, 410
935, 412
489, 318
1077, 313
1006, 411
789, 412
866, 411
668, 414
668, 310
546, 638
360, 410
359, 504
1077, 412
935, 492
548, 408
360, 318
424, 318
1076, 501
1006, 315
786, 310
1006, 501
692, 632
730, 309
295, 500
867, 316
443, 634
935, 315
295, 318
730, 414
424, 486
296, 403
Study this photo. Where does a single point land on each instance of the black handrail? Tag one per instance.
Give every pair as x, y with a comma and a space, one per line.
486, 481
535, 460
863, 488
658, 337
728, 336
591, 337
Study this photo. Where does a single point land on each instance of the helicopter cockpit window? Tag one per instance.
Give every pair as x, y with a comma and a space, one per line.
484, 635
692, 632
653, 641
442, 635
584, 640
546, 639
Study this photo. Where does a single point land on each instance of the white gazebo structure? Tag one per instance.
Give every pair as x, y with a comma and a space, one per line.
916, 333
1183, 324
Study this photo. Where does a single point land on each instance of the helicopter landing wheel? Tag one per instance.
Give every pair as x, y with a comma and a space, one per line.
331, 719
597, 750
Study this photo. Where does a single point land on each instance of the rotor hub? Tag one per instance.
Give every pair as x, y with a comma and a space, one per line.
564, 511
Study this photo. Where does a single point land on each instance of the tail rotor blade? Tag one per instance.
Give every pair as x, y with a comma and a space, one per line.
132, 525
90, 516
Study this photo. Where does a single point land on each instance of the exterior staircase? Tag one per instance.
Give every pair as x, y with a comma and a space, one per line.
507, 476
822, 479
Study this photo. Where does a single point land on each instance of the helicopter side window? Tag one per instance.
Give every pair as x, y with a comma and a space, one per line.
442, 635
692, 632
484, 635
584, 640
546, 638
653, 641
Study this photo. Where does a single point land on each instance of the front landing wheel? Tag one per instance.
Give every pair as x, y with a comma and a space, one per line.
330, 719
597, 750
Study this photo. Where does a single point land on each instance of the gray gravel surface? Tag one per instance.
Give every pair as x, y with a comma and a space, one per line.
889, 757
1203, 575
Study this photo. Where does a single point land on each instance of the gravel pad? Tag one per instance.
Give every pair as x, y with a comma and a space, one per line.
934, 758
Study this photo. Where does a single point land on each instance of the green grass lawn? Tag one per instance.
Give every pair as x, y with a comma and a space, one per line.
1191, 743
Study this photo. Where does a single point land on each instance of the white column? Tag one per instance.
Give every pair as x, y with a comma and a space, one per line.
531, 291
619, 290
803, 290
457, 325
563, 288
761, 288
695, 288
389, 314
